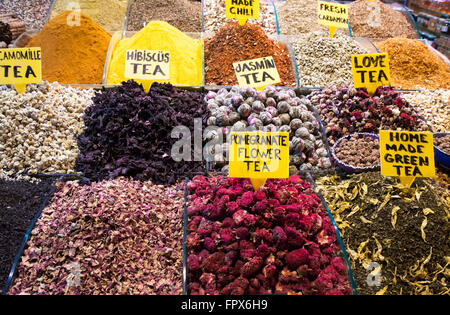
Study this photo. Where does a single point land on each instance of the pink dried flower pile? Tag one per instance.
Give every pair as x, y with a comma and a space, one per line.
273, 241
112, 237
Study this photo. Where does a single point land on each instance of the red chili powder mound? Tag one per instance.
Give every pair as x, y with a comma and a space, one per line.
234, 43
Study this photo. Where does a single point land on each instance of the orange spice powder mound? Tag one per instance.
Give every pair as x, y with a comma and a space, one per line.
413, 65
72, 54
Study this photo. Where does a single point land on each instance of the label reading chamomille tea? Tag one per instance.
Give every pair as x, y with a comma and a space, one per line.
370, 71
257, 73
20, 66
147, 64
242, 10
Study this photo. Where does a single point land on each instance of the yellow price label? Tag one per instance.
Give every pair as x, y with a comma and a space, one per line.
259, 155
242, 10
371, 71
333, 15
20, 66
257, 73
147, 64
407, 155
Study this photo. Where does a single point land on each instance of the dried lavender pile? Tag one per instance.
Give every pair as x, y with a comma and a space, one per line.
40, 128
397, 241
277, 240
273, 109
112, 237
323, 61
33, 12
20, 200
346, 110
128, 133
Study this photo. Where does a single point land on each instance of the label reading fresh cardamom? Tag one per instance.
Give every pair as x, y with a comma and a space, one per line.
147, 65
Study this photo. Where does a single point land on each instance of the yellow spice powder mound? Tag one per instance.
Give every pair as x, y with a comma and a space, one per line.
413, 65
185, 54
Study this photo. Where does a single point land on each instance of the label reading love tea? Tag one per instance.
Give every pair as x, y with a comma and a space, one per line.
242, 10
257, 73
370, 71
147, 64
20, 66
407, 154
333, 15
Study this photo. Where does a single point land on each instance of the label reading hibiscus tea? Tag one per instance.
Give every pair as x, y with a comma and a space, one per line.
147, 64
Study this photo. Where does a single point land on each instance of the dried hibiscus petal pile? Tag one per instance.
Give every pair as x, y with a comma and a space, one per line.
273, 241
111, 237
346, 110
128, 133
397, 240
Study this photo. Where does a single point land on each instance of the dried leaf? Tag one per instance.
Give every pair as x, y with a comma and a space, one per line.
382, 291
364, 220
427, 211
422, 228
394, 215
386, 200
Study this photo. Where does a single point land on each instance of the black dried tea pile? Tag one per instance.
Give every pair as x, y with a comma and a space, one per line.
397, 239
128, 133
20, 200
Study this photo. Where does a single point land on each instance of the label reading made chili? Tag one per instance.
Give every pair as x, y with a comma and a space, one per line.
257, 73
259, 155
242, 10
20, 66
407, 154
147, 64
371, 71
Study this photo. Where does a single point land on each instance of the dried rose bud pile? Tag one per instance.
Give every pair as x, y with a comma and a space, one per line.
116, 237
359, 150
400, 238
347, 110
443, 143
275, 240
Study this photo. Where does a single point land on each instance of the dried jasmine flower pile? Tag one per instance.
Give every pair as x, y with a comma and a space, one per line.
214, 15
359, 150
128, 133
273, 109
414, 65
234, 43
374, 19
20, 200
347, 110
276, 240
114, 237
40, 128
323, 61
434, 105
400, 238
443, 143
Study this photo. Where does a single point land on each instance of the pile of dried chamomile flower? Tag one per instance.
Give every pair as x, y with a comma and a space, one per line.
397, 239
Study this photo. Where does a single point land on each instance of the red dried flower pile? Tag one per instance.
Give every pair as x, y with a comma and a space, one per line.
273, 241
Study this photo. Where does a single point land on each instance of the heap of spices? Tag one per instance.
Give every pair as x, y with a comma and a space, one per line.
129, 133
186, 15
234, 43
443, 143
19, 202
374, 19
109, 14
214, 15
17, 27
5, 35
67, 59
186, 55
413, 65
328, 65
33, 12
398, 239
434, 105
93, 240
277, 240
443, 179
39, 128
359, 150
273, 109
347, 110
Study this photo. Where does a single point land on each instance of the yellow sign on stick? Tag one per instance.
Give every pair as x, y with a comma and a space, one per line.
407, 155
259, 155
242, 10
371, 71
333, 15
257, 73
20, 66
147, 64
